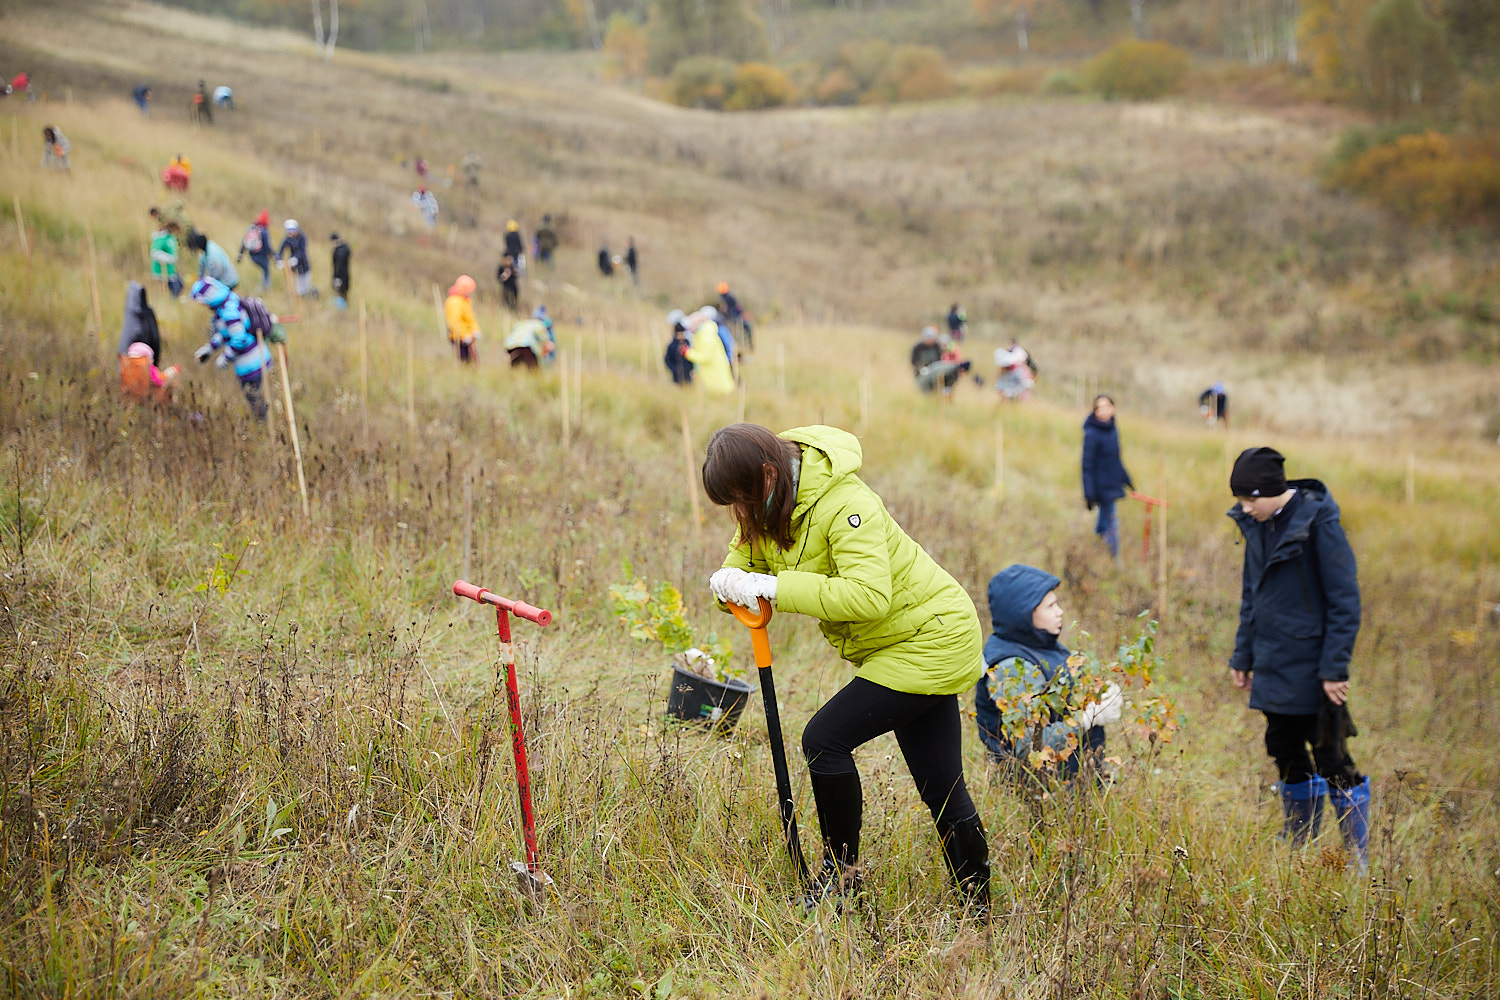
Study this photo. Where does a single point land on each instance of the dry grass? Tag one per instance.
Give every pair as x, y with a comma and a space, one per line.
157, 736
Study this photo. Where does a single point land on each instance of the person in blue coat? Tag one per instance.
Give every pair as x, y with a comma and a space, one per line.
1299, 618
1104, 477
1023, 655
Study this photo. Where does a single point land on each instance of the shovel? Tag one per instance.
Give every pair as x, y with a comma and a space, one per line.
756, 622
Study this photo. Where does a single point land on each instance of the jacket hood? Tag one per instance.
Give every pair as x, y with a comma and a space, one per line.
135, 299
829, 454
1014, 594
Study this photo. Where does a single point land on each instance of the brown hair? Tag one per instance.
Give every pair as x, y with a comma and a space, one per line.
734, 474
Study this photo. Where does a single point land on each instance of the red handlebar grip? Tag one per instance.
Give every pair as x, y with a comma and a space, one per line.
532, 614
463, 588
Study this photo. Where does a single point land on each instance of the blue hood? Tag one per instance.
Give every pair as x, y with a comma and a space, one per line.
1014, 594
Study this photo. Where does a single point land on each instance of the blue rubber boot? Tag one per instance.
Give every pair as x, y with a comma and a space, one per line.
1302, 805
1352, 806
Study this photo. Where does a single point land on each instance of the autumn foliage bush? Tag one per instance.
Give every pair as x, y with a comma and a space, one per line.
758, 86
1427, 176
1138, 70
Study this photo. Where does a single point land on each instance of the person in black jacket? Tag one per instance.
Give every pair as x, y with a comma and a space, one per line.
1299, 617
341, 254
1105, 478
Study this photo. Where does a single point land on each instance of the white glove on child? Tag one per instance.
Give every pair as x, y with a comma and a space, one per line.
725, 584
204, 353
1104, 711
221, 362
735, 586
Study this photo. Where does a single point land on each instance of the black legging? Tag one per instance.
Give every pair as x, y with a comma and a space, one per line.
927, 730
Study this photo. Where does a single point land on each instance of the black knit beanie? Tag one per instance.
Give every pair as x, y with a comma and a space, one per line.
1258, 472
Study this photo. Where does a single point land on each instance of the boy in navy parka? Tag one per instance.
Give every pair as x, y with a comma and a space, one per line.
1299, 617
1023, 656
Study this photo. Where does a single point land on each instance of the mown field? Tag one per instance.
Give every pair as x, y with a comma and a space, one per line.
248, 752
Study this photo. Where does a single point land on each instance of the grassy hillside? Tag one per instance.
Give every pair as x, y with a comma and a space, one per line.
248, 752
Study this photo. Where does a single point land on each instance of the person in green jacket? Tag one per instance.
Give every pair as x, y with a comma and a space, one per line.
164, 253
814, 539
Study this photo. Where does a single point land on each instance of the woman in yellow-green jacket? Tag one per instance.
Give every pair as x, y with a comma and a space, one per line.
814, 539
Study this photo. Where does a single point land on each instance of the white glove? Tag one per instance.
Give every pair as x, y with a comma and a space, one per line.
1104, 711
280, 263
758, 585
204, 353
222, 361
292, 261
727, 585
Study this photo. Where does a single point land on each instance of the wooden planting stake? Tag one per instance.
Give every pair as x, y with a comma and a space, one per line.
692, 478
364, 377
1161, 563
21, 226
741, 416
468, 519
1411, 477
88, 244
567, 415
411, 393
291, 423
1479, 601
603, 361
999, 461
437, 305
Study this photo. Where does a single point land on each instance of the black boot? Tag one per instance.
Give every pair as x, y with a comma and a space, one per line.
840, 803
967, 854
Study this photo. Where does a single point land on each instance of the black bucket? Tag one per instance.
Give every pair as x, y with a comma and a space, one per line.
698, 699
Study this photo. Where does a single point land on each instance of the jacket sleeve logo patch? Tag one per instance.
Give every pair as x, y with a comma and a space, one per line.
853, 520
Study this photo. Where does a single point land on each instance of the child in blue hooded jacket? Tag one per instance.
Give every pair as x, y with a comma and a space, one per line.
231, 334
1023, 656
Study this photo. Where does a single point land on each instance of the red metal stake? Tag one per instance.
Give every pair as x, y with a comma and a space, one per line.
1151, 504
532, 878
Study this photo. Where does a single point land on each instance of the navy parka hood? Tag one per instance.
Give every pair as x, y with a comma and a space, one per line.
1014, 594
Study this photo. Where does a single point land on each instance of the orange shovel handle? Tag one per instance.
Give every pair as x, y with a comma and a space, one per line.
756, 622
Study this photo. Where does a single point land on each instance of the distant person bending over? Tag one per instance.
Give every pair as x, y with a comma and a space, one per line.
1013, 374
527, 344
294, 249
213, 262
427, 204
55, 149
224, 97
463, 326
1213, 405
257, 243
606, 262
341, 255
138, 326
1104, 477
141, 379
926, 353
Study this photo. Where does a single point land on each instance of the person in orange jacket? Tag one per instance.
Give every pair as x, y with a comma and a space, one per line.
463, 326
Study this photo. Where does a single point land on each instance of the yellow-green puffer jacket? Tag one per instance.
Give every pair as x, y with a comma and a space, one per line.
883, 602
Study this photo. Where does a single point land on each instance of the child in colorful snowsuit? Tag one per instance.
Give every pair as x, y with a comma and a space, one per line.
232, 336
1299, 617
1023, 656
